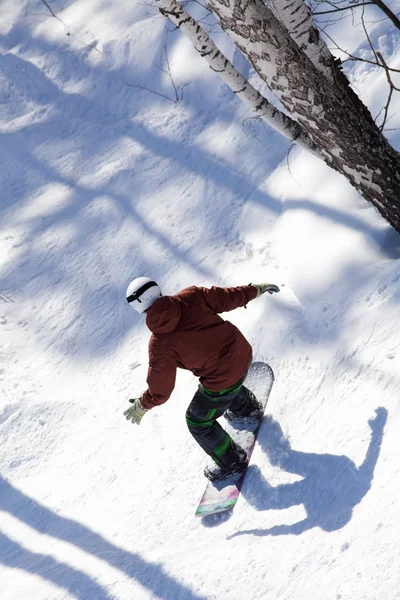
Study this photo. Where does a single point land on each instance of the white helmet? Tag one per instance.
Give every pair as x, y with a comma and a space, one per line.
142, 292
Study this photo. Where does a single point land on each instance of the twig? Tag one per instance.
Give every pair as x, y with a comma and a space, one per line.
248, 128
359, 59
350, 7
53, 14
178, 90
288, 163
91, 45
154, 12
392, 88
386, 10
367, 35
51, 10
142, 87
167, 71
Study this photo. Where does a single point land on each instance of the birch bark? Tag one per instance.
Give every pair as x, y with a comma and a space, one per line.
336, 120
297, 18
202, 42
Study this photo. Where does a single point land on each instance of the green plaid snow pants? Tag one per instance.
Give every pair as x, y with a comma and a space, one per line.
201, 418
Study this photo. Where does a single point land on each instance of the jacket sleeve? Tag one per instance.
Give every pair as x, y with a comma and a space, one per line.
226, 299
161, 375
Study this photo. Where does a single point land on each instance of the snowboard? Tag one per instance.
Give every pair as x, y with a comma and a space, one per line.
220, 496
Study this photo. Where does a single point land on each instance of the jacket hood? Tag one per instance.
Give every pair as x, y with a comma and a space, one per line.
164, 315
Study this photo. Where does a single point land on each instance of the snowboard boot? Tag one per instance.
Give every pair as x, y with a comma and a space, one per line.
252, 411
215, 472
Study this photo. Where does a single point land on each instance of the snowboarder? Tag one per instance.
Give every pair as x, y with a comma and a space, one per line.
187, 332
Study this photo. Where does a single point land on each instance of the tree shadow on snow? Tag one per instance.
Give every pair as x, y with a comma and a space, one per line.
15, 556
87, 125
82, 586
331, 485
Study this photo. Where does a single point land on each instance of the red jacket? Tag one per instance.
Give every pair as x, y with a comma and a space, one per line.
189, 334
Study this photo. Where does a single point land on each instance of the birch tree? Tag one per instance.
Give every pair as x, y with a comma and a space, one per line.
231, 76
283, 45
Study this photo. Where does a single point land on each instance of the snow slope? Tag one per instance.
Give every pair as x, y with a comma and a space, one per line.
103, 180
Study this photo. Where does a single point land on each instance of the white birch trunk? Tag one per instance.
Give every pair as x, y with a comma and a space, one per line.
296, 16
262, 108
334, 117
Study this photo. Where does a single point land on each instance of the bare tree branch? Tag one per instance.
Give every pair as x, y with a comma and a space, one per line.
167, 71
146, 89
367, 34
91, 45
358, 58
384, 8
51, 10
350, 7
392, 87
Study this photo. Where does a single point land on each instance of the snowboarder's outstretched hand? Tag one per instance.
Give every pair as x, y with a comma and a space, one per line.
265, 287
135, 412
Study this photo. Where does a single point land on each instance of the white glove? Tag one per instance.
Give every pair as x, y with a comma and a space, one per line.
135, 412
265, 287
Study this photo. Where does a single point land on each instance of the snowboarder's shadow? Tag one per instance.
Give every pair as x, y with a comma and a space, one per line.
331, 485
